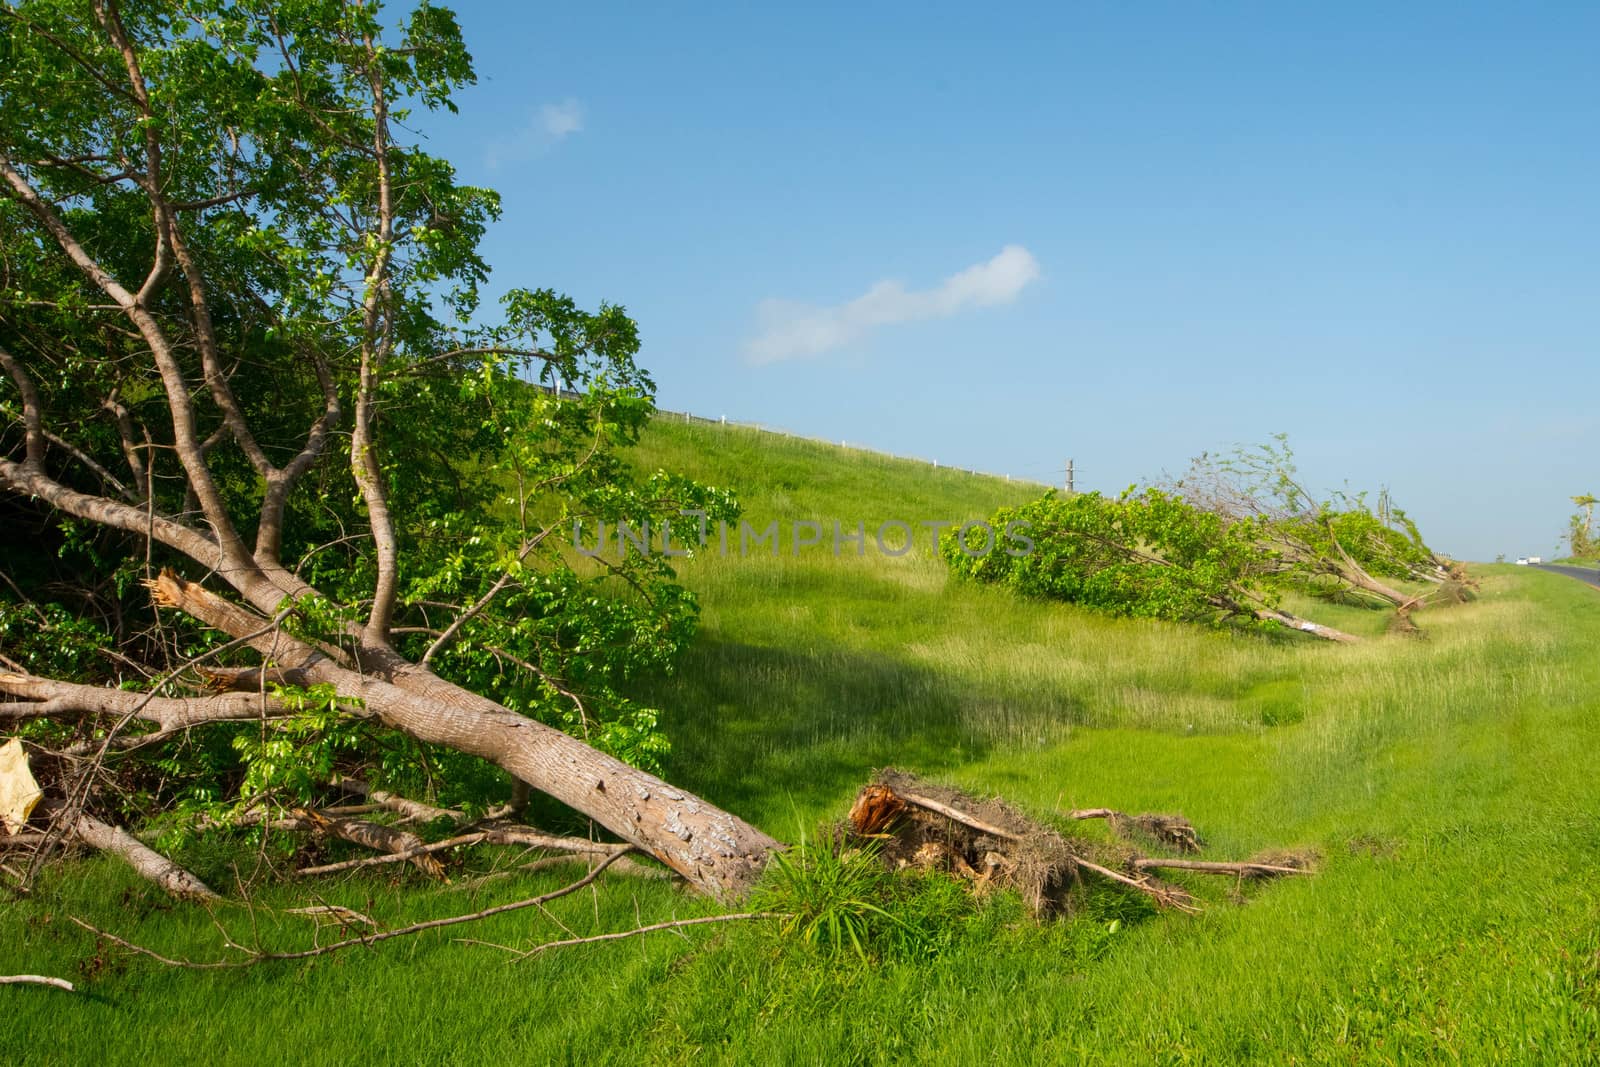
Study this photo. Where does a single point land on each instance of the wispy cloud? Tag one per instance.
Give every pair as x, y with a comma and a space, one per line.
561, 119
546, 126
790, 330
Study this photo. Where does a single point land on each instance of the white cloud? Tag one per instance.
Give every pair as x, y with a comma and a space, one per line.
561, 119
790, 330
546, 126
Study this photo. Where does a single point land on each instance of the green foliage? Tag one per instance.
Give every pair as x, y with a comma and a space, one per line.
1580, 535
1381, 550
46, 639
830, 895
291, 759
1146, 554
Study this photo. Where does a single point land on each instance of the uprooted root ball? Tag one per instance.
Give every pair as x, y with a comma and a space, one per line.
988, 843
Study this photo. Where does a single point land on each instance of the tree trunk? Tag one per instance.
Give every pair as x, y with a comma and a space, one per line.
715, 851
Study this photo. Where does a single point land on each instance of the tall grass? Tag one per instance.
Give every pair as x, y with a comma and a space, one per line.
1447, 781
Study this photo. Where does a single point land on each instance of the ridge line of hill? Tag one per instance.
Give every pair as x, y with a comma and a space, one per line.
689, 417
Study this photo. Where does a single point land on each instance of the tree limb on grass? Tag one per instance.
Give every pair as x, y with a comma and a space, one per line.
149, 863
255, 956
36, 979
674, 924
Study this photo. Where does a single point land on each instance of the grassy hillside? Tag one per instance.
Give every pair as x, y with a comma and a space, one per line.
1448, 782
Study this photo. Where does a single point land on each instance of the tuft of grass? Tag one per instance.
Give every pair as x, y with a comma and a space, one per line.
837, 897
828, 894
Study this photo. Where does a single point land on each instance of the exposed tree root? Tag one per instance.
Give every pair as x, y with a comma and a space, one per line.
990, 844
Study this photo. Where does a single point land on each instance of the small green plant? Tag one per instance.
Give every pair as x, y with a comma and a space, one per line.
838, 896
831, 893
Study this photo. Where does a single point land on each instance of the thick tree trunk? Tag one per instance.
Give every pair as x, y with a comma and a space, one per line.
715, 851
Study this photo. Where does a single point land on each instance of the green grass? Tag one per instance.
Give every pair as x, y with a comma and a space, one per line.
1448, 782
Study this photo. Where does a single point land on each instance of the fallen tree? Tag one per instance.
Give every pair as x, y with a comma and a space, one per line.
1145, 554
232, 328
1333, 546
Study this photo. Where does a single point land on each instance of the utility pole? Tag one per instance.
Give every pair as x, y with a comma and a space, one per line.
1069, 476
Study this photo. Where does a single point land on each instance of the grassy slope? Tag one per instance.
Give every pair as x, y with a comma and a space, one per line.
1449, 783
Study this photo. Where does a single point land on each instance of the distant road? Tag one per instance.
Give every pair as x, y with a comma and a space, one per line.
1587, 575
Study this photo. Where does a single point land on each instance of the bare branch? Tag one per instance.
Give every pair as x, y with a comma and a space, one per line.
675, 924
269, 532
191, 542
210, 201
49, 698
499, 835
177, 390
962, 817
364, 939
1166, 895
1215, 867
31, 415
396, 857
376, 340
130, 450
71, 53
375, 836
411, 810
454, 629
89, 461
481, 350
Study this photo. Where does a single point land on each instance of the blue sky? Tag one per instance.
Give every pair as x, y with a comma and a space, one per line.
1125, 233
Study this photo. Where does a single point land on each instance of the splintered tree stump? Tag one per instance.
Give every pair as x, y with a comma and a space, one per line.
875, 810
991, 845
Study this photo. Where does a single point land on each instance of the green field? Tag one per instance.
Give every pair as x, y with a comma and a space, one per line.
1448, 782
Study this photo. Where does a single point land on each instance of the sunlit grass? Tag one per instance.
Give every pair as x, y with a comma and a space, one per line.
1447, 781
